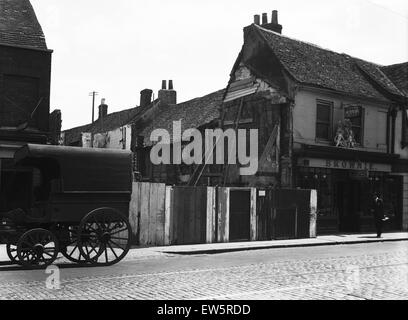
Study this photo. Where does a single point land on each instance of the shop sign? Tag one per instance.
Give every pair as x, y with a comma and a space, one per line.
344, 165
349, 165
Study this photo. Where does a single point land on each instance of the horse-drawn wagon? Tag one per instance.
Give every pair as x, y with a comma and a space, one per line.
73, 201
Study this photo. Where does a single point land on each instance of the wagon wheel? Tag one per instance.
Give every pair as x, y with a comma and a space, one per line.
70, 250
104, 236
12, 253
37, 247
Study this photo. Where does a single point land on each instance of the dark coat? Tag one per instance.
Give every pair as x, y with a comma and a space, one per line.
378, 209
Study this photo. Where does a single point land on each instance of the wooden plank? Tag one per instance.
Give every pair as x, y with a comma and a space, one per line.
223, 214
220, 213
173, 217
196, 224
134, 209
167, 215
189, 214
179, 209
253, 219
160, 217
227, 215
144, 213
210, 219
153, 208
203, 215
313, 214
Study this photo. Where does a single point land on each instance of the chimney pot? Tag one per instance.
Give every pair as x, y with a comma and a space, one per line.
257, 19
264, 18
164, 85
168, 97
275, 17
274, 25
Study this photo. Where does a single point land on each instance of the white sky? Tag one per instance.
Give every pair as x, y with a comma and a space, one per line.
120, 47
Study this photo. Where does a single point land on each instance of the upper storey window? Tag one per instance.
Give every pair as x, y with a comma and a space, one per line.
324, 120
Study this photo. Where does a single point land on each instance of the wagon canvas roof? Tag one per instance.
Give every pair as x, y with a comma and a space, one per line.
83, 169
19, 25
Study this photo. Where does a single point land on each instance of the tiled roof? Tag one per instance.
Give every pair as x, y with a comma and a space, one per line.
313, 65
19, 25
193, 114
398, 73
110, 122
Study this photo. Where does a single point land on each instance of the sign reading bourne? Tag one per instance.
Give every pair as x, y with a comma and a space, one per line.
344, 164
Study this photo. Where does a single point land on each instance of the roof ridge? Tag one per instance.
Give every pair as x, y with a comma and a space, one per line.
302, 41
198, 98
317, 46
395, 65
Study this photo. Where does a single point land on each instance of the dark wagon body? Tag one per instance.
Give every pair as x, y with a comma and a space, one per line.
78, 197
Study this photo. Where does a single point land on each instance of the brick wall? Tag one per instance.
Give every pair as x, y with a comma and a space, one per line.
24, 79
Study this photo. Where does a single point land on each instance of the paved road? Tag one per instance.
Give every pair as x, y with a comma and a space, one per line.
363, 271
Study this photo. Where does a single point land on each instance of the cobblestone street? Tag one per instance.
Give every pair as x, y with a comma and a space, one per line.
361, 271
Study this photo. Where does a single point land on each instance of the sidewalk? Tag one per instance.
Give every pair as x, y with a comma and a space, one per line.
215, 248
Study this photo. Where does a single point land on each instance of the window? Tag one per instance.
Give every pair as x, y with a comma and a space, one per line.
382, 127
20, 97
355, 115
324, 120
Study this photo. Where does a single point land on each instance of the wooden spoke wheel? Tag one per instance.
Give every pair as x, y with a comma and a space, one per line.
70, 247
12, 253
104, 236
37, 248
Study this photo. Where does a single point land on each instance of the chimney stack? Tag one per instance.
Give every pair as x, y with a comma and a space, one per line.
145, 97
167, 96
264, 18
103, 109
274, 25
275, 17
257, 19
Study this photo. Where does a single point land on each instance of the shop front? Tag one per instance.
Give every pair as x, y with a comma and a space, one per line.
345, 189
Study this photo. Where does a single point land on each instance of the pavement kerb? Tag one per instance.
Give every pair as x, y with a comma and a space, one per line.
277, 246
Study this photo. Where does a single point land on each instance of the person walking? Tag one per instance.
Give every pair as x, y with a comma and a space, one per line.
378, 212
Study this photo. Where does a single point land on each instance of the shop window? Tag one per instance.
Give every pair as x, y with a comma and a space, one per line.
355, 115
321, 180
324, 120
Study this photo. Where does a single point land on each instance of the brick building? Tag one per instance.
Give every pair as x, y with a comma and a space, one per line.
25, 69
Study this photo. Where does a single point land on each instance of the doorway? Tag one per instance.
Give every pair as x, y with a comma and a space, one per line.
240, 215
350, 204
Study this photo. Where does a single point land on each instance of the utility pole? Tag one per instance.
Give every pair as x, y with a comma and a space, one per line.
93, 94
